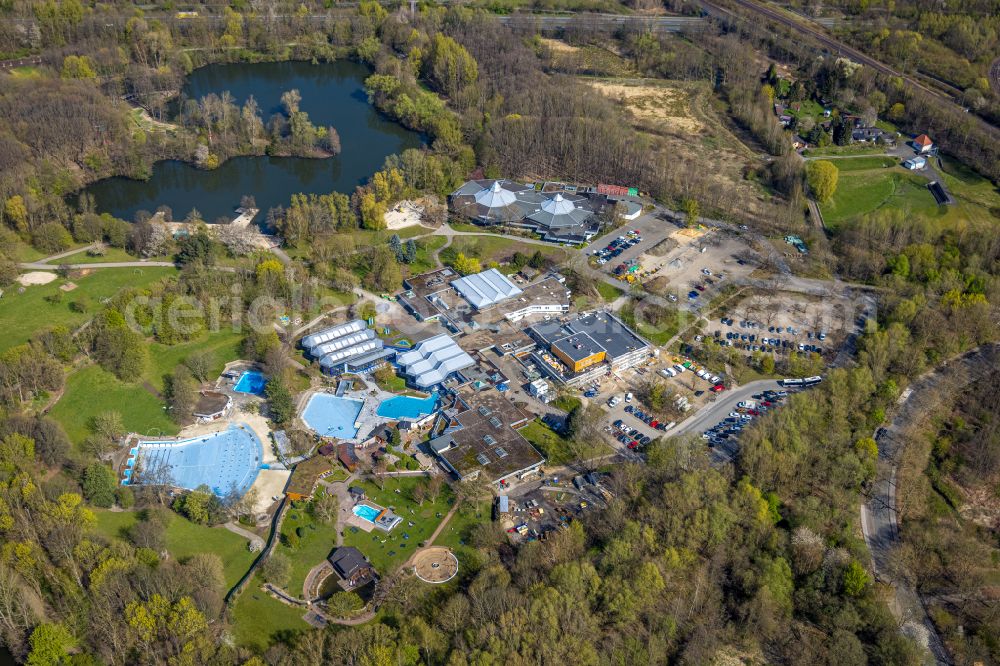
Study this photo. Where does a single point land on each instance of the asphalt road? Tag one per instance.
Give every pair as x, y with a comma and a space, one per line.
726, 402
879, 511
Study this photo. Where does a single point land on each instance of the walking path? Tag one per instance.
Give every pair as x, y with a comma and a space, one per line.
256, 542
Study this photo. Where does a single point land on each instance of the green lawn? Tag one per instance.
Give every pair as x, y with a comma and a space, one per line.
608, 292
501, 248
317, 540
552, 445
853, 149
315, 544
185, 539
860, 192
111, 254
865, 163
968, 186
389, 555
91, 391
567, 403
22, 315
258, 618
396, 385
225, 345
425, 254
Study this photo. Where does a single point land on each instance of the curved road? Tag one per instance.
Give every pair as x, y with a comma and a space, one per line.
879, 511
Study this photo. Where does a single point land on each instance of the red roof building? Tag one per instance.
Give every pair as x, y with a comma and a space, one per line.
923, 143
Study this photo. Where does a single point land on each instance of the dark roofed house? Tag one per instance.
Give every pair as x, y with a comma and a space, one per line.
346, 456
351, 566
356, 492
866, 134
211, 405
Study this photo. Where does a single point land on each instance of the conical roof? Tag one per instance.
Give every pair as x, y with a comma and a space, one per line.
557, 205
495, 196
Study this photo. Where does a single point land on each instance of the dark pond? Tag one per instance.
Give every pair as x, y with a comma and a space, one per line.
332, 94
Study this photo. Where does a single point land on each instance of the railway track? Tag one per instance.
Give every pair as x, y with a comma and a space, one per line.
838, 47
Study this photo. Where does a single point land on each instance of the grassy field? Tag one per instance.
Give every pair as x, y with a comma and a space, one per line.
425, 254
225, 345
258, 618
501, 248
608, 292
90, 391
853, 149
552, 445
185, 539
22, 315
317, 540
388, 551
864, 191
567, 403
849, 164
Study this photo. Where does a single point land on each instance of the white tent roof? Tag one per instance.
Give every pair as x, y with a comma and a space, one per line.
431, 361
558, 205
486, 288
495, 196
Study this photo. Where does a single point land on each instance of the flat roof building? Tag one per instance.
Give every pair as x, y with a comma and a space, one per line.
432, 361
578, 351
581, 346
479, 436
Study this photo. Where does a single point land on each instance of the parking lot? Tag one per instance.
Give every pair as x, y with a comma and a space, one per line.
784, 322
688, 266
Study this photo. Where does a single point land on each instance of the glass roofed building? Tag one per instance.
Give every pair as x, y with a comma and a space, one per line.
486, 289
433, 361
350, 347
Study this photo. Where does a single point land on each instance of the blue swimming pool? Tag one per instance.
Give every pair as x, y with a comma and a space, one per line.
226, 461
330, 416
408, 407
251, 382
366, 512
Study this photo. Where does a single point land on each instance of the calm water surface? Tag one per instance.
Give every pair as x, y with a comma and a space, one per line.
332, 94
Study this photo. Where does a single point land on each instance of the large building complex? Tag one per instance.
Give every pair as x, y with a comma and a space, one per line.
585, 347
477, 436
561, 214
460, 302
350, 347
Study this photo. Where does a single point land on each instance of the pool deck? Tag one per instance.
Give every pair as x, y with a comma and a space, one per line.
368, 419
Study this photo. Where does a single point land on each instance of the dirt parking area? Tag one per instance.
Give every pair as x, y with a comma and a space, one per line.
682, 269
801, 318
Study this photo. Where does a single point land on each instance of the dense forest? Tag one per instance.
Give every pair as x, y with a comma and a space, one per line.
760, 561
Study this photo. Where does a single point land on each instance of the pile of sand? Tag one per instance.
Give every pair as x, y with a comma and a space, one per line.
36, 277
404, 214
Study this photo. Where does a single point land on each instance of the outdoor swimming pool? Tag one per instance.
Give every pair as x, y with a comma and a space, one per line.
407, 407
366, 512
224, 461
251, 382
330, 416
